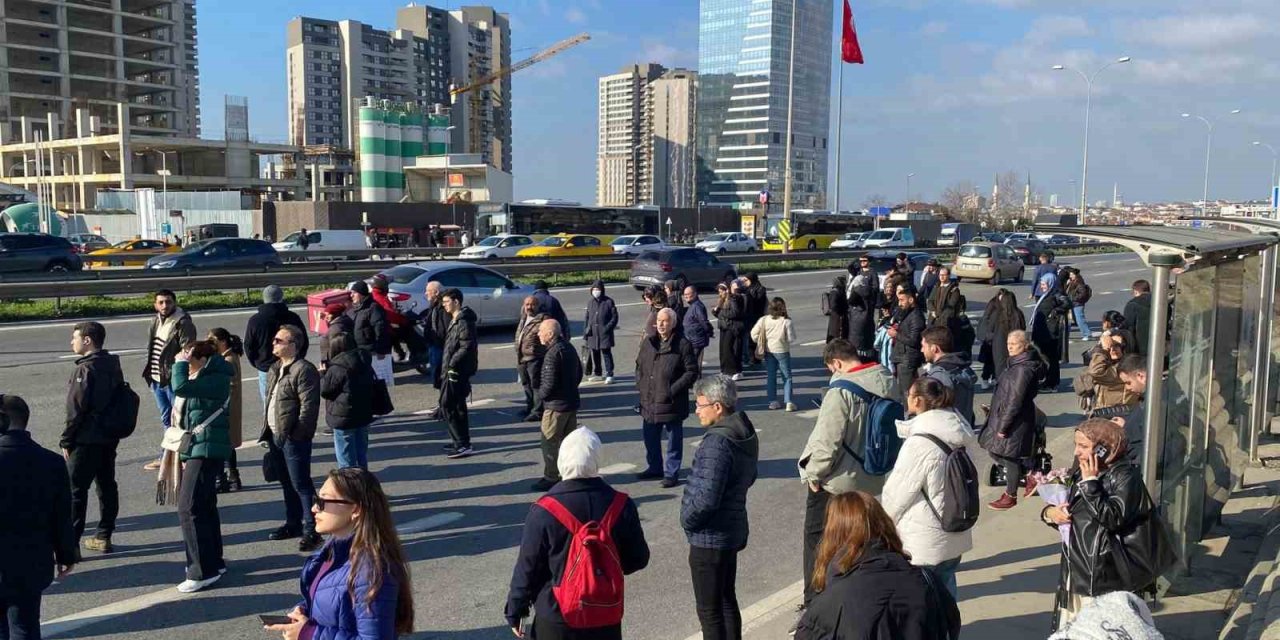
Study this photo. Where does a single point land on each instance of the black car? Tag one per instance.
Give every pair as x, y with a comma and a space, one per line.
219, 253
882, 262
33, 252
1028, 250
699, 268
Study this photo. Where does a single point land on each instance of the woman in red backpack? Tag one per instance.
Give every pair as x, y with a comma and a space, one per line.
539, 580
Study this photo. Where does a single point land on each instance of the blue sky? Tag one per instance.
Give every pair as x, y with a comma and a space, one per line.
953, 90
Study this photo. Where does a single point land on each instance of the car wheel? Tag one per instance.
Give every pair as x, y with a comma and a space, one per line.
1021, 274
995, 278
751, 249
58, 267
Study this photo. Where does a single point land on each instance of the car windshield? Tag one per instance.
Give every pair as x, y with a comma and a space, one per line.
716, 237
491, 241
403, 274
623, 241
553, 241
121, 245
293, 237
975, 251
197, 247
850, 236
880, 235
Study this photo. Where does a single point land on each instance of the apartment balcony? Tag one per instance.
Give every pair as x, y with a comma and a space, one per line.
35, 61
36, 14
38, 83
80, 40
34, 36
89, 20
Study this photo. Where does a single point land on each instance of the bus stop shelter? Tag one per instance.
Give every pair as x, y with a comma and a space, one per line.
1209, 385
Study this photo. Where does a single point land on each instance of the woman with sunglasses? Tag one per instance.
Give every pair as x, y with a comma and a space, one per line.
357, 586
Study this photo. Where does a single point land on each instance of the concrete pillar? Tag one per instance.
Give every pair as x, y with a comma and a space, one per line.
1162, 263
1262, 356
125, 149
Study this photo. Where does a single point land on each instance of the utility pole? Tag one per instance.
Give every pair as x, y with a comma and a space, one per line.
791, 96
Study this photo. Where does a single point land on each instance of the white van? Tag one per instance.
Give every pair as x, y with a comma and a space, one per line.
323, 240
894, 237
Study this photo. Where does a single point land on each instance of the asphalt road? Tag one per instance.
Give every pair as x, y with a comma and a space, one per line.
460, 520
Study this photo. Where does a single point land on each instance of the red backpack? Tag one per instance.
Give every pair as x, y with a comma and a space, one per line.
590, 589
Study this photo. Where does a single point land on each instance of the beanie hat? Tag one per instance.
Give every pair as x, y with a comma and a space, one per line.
361, 287
335, 308
272, 294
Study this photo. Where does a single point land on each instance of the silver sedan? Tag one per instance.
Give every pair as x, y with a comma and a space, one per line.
494, 297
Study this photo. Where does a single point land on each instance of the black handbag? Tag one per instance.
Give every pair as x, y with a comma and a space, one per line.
585, 355
273, 464
381, 404
1145, 552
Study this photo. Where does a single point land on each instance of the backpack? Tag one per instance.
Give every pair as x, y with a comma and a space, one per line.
590, 592
959, 489
122, 412
880, 441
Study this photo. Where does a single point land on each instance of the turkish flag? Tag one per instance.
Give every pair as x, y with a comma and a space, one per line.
849, 49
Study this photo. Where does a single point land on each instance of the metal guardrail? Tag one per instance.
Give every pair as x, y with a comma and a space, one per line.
104, 283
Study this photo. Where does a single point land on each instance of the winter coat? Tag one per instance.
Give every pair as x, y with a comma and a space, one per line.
561, 374
697, 325
296, 388
906, 345
183, 333
1110, 389
340, 324
1049, 325
601, 320
528, 347
1112, 504
262, 329
544, 547
461, 352
36, 503
549, 305
370, 329
199, 398
347, 385
757, 303
882, 597
435, 324
1137, 319
838, 311
921, 467
665, 370
1013, 408
995, 330
825, 460
713, 509
928, 284
332, 612
863, 298
235, 419
778, 334
953, 371
1076, 292
93, 385
946, 305
732, 315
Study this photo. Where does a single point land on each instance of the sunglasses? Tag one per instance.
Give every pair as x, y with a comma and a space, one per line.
321, 502
279, 341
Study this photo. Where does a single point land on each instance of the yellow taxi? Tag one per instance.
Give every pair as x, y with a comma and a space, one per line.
565, 245
133, 253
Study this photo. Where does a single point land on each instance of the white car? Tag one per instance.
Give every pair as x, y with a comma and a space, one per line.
727, 243
890, 237
503, 245
635, 245
493, 296
322, 240
850, 240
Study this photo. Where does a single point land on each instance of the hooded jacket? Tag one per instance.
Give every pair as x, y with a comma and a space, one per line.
331, 612
665, 370
713, 509
824, 460
94, 383
262, 329
838, 309
919, 472
862, 297
953, 371
461, 353
370, 328
601, 320
549, 305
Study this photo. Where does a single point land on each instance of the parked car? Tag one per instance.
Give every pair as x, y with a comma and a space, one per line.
990, 261
1028, 249
132, 253
890, 237
989, 236
565, 245
882, 262
636, 245
86, 242
323, 240
215, 230
1058, 238
731, 242
1020, 236
503, 245
699, 268
34, 252
850, 240
219, 253
494, 297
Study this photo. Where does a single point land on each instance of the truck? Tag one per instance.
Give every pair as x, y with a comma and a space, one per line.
954, 234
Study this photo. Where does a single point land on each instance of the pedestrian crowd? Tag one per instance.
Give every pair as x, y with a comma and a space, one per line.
888, 515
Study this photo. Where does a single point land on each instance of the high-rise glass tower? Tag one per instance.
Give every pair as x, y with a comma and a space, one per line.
744, 51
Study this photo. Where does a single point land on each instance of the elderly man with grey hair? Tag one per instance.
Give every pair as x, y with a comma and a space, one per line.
713, 510
262, 327
665, 371
558, 389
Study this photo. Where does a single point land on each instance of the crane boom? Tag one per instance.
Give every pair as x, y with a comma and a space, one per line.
527, 62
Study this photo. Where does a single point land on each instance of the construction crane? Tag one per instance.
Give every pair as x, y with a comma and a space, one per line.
554, 49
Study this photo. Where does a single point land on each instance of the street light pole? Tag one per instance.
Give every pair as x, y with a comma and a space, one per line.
791, 94
1088, 102
908, 204
1208, 147
1271, 187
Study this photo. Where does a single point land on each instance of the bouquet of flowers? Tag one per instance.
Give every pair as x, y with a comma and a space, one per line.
1055, 488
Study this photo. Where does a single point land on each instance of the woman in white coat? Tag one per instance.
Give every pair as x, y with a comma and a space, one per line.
919, 474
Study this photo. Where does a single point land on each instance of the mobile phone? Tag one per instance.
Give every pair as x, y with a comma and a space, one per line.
1101, 452
273, 620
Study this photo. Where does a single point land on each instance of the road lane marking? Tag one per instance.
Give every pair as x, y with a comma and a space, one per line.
813, 343
430, 522
502, 346
122, 352
81, 619
621, 467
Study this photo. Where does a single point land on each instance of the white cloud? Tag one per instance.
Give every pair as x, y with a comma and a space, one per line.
575, 16
933, 28
667, 55
1051, 29
1197, 31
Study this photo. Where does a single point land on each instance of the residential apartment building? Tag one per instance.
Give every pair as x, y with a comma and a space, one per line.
57, 56
669, 110
744, 49
623, 153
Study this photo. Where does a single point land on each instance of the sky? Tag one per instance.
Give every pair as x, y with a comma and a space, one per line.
952, 90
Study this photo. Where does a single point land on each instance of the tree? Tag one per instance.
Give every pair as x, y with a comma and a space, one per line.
1006, 204
961, 201
875, 200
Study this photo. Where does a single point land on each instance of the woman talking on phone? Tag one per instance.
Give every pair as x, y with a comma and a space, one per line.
357, 586
1117, 542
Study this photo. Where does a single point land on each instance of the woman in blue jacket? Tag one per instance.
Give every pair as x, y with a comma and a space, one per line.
357, 586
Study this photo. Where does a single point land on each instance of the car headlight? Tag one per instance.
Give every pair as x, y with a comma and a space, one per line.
164, 264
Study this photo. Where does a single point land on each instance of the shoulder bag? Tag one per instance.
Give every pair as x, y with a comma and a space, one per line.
180, 441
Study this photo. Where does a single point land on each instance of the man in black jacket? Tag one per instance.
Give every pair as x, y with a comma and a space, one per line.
1137, 316
262, 327
289, 420
372, 331
665, 370
558, 390
36, 536
87, 441
950, 368
906, 331
435, 325
551, 306
461, 359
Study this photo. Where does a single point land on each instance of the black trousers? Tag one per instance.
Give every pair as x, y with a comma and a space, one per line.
730, 351
453, 408
90, 464
1012, 473
715, 576
815, 520
530, 374
905, 374
21, 614
602, 358
547, 629
198, 515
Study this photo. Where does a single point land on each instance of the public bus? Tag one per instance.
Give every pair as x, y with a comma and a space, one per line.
542, 220
813, 229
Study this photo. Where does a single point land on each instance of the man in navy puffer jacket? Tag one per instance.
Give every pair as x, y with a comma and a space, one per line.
713, 510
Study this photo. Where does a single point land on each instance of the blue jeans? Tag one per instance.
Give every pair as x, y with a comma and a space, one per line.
946, 572
164, 402
262, 386
1081, 322
299, 491
351, 447
653, 458
435, 354
774, 364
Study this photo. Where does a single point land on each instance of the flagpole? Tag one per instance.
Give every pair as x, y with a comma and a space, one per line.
839, 122
791, 94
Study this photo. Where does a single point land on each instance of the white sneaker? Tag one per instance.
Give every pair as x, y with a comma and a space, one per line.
608, 380
736, 377
192, 586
